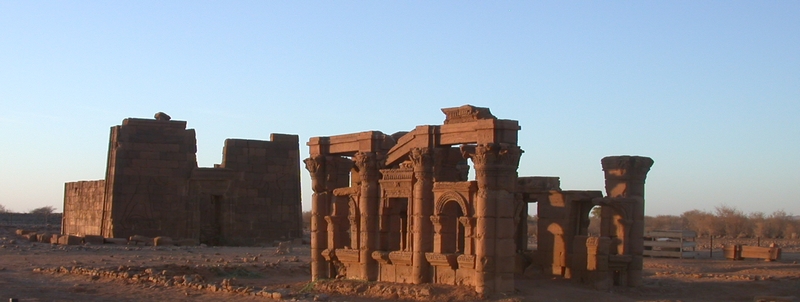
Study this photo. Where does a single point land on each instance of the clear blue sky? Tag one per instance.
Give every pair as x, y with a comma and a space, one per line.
709, 89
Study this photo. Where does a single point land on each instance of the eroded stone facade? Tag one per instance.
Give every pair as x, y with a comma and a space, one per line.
153, 187
400, 208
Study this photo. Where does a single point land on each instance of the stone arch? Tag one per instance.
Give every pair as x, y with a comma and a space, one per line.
451, 196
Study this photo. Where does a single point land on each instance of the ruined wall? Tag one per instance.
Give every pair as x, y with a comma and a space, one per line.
149, 165
267, 204
83, 207
153, 187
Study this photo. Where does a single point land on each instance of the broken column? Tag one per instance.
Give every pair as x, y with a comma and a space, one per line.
625, 178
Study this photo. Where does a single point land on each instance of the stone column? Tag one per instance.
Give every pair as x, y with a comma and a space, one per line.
495, 173
422, 161
625, 177
368, 164
320, 207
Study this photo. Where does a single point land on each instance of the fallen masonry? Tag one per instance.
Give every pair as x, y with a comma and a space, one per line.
163, 276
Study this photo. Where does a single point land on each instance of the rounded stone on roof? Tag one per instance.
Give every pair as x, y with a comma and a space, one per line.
161, 116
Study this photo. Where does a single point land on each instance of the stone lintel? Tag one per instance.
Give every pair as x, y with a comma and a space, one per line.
466, 113
347, 144
459, 186
480, 132
578, 195
538, 184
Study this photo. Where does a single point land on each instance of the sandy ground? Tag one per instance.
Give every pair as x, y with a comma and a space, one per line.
43, 272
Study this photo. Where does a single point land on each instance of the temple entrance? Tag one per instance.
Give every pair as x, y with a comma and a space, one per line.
211, 220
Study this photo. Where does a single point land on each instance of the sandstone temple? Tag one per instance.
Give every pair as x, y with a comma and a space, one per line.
153, 187
401, 208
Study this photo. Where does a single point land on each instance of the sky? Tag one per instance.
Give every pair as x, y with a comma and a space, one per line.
709, 89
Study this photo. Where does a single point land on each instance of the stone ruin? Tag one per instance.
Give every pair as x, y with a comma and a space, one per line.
153, 187
400, 208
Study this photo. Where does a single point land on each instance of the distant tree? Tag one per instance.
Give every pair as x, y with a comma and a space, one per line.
735, 223
702, 222
759, 223
3, 209
663, 222
47, 210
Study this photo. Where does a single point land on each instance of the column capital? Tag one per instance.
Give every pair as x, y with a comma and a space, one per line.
421, 159
368, 164
626, 167
493, 154
316, 167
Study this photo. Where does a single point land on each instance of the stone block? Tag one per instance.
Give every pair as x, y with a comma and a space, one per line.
44, 238
31, 237
93, 239
70, 240
163, 241
137, 239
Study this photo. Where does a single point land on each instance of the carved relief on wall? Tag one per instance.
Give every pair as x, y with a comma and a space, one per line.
442, 199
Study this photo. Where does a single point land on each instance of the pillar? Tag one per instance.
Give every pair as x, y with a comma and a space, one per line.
422, 209
495, 173
625, 178
320, 207
368, 165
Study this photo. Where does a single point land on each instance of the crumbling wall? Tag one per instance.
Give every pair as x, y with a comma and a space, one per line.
267, 202
150, 162
153, 187
83, 207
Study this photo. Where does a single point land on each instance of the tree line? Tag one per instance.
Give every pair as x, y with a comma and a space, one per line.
727, 221
47, 210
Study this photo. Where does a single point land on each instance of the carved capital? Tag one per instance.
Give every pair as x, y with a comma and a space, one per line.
316, 167
485, 156
368, 164
437, 224
421, 159
626, 167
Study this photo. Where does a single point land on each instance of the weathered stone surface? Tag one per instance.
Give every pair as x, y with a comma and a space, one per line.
400, 209
162, 241
70, 240
153, 187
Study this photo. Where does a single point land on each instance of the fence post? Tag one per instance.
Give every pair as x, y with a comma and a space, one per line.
711, 247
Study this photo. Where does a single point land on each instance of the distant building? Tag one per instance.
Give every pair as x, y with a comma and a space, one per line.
153, 187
